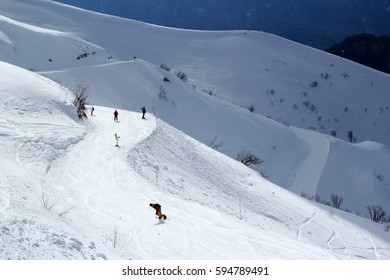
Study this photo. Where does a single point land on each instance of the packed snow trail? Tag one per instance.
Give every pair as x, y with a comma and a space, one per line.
309, 173
109, 202
94, 172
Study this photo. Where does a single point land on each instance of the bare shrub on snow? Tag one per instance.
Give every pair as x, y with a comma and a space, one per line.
377, 214
182, 76
336, 201
81, 93
216, 145
248, 158
165, 67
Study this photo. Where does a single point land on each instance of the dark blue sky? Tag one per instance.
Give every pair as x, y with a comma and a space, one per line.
319, 23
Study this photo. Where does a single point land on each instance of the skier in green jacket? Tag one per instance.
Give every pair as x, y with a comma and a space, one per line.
116, 140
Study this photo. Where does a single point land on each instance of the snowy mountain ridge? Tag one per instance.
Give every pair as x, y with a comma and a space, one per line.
67, 193
329, 21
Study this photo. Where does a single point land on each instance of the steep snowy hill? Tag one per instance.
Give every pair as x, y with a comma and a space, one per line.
68, 193
282, 80
64, 178
307, 168
38, 126
229, 62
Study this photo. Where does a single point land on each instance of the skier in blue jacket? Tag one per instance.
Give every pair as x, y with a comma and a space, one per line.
143, 112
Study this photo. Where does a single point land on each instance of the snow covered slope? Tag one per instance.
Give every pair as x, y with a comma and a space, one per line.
300, 160
37, 127
22, 44
242, 67
68, 193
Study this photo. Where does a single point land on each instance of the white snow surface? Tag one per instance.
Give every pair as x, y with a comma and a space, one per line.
67, 193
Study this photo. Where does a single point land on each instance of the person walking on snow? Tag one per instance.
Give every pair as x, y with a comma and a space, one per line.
143, 112
157, 207
92, 110
116, 140
116, 116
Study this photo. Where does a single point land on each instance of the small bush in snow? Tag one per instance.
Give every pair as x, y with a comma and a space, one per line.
81, 93
310, 106
251, 108
333, 133
351, 137
336, 201
325, 76
379, 176
166, 80
182, 76
314, 84
82, 55
377, 214
248, 158
165, 67
85, 54
209, 92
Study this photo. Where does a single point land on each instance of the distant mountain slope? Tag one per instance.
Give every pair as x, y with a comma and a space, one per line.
317, 23
367, 49
285, 81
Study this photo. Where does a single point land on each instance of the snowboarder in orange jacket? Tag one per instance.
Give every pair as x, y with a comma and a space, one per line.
157, 207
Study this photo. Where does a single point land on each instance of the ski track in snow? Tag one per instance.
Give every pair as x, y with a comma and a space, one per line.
331, 238
362, 241
373, 246
313, 164
75, 67
337, 237
307, 222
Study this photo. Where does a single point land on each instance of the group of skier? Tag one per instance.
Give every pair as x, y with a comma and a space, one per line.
155, 206
143, 110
